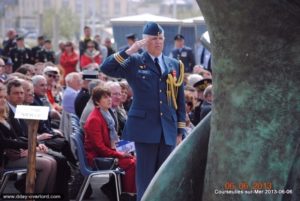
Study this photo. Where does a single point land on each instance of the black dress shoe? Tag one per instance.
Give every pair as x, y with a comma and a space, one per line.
109, 190
20, 185
127, 197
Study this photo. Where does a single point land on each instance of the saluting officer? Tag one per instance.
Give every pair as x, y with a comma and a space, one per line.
20, 54
183, 53
156, 119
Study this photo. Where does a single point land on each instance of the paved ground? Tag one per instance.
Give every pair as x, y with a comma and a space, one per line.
96, 183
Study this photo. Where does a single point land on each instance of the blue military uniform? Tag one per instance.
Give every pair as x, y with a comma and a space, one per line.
153, 121
185, 55
150, 114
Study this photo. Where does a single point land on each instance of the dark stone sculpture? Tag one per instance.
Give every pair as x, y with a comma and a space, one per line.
255, 122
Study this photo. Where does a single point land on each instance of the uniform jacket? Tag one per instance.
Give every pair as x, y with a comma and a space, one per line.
97, 141
8, 45
186, 55
150, 114
81, 100
46, 56
20, 57
34, 53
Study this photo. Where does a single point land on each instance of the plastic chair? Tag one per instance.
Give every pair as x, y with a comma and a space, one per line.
85, 169
6, 173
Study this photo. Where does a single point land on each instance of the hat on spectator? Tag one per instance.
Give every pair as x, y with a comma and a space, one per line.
178, 37
152, 29
193, 78
20, 38
51, 69
7, 60
90, 74
202, 84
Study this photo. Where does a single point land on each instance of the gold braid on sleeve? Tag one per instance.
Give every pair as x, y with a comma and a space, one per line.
173, 84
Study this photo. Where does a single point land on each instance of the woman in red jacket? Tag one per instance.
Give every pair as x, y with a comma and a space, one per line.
69, 59
91, 55
100, 134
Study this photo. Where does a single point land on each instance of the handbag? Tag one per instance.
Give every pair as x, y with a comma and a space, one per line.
12, 154
105, 163
56, 143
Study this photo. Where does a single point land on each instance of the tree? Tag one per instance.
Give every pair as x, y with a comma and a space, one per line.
255, 128
67, 26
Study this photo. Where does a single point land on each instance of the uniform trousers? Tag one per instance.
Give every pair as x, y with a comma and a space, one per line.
150, 157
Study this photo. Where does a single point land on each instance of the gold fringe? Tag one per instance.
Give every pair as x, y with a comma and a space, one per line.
173, 84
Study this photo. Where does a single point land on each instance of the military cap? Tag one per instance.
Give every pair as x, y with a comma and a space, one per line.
202, 84
153, 29
20, 38
41, 37
6, 60
178, 37
130, 36
47, 41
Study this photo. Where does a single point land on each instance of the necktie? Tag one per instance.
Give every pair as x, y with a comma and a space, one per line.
157, 65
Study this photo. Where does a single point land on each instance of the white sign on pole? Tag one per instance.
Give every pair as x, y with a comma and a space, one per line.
32, 112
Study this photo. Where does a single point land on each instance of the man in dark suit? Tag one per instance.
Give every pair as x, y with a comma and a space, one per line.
183, 53
83, 96
53, 138
35, 50
156, 119
15, 96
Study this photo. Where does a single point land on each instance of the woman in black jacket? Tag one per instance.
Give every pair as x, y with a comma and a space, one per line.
13, 152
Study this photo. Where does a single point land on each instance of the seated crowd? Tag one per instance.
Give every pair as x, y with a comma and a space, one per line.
90, 95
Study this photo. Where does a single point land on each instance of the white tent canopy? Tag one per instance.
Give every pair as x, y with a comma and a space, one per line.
141, 19
193, 20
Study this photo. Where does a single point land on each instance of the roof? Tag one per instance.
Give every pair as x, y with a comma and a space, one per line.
143, 18
193, 20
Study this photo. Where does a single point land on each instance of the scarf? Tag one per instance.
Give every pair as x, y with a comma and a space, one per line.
111, 125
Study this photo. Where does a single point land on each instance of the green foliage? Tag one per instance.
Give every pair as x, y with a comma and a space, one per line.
67, 23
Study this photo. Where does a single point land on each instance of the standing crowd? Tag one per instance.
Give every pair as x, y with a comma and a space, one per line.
136, 93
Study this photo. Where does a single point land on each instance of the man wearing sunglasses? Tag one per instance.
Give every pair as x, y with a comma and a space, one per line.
51, 73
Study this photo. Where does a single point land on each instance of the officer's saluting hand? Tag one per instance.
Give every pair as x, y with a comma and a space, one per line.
136, 46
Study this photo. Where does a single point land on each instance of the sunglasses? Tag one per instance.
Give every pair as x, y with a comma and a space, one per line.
51, 75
